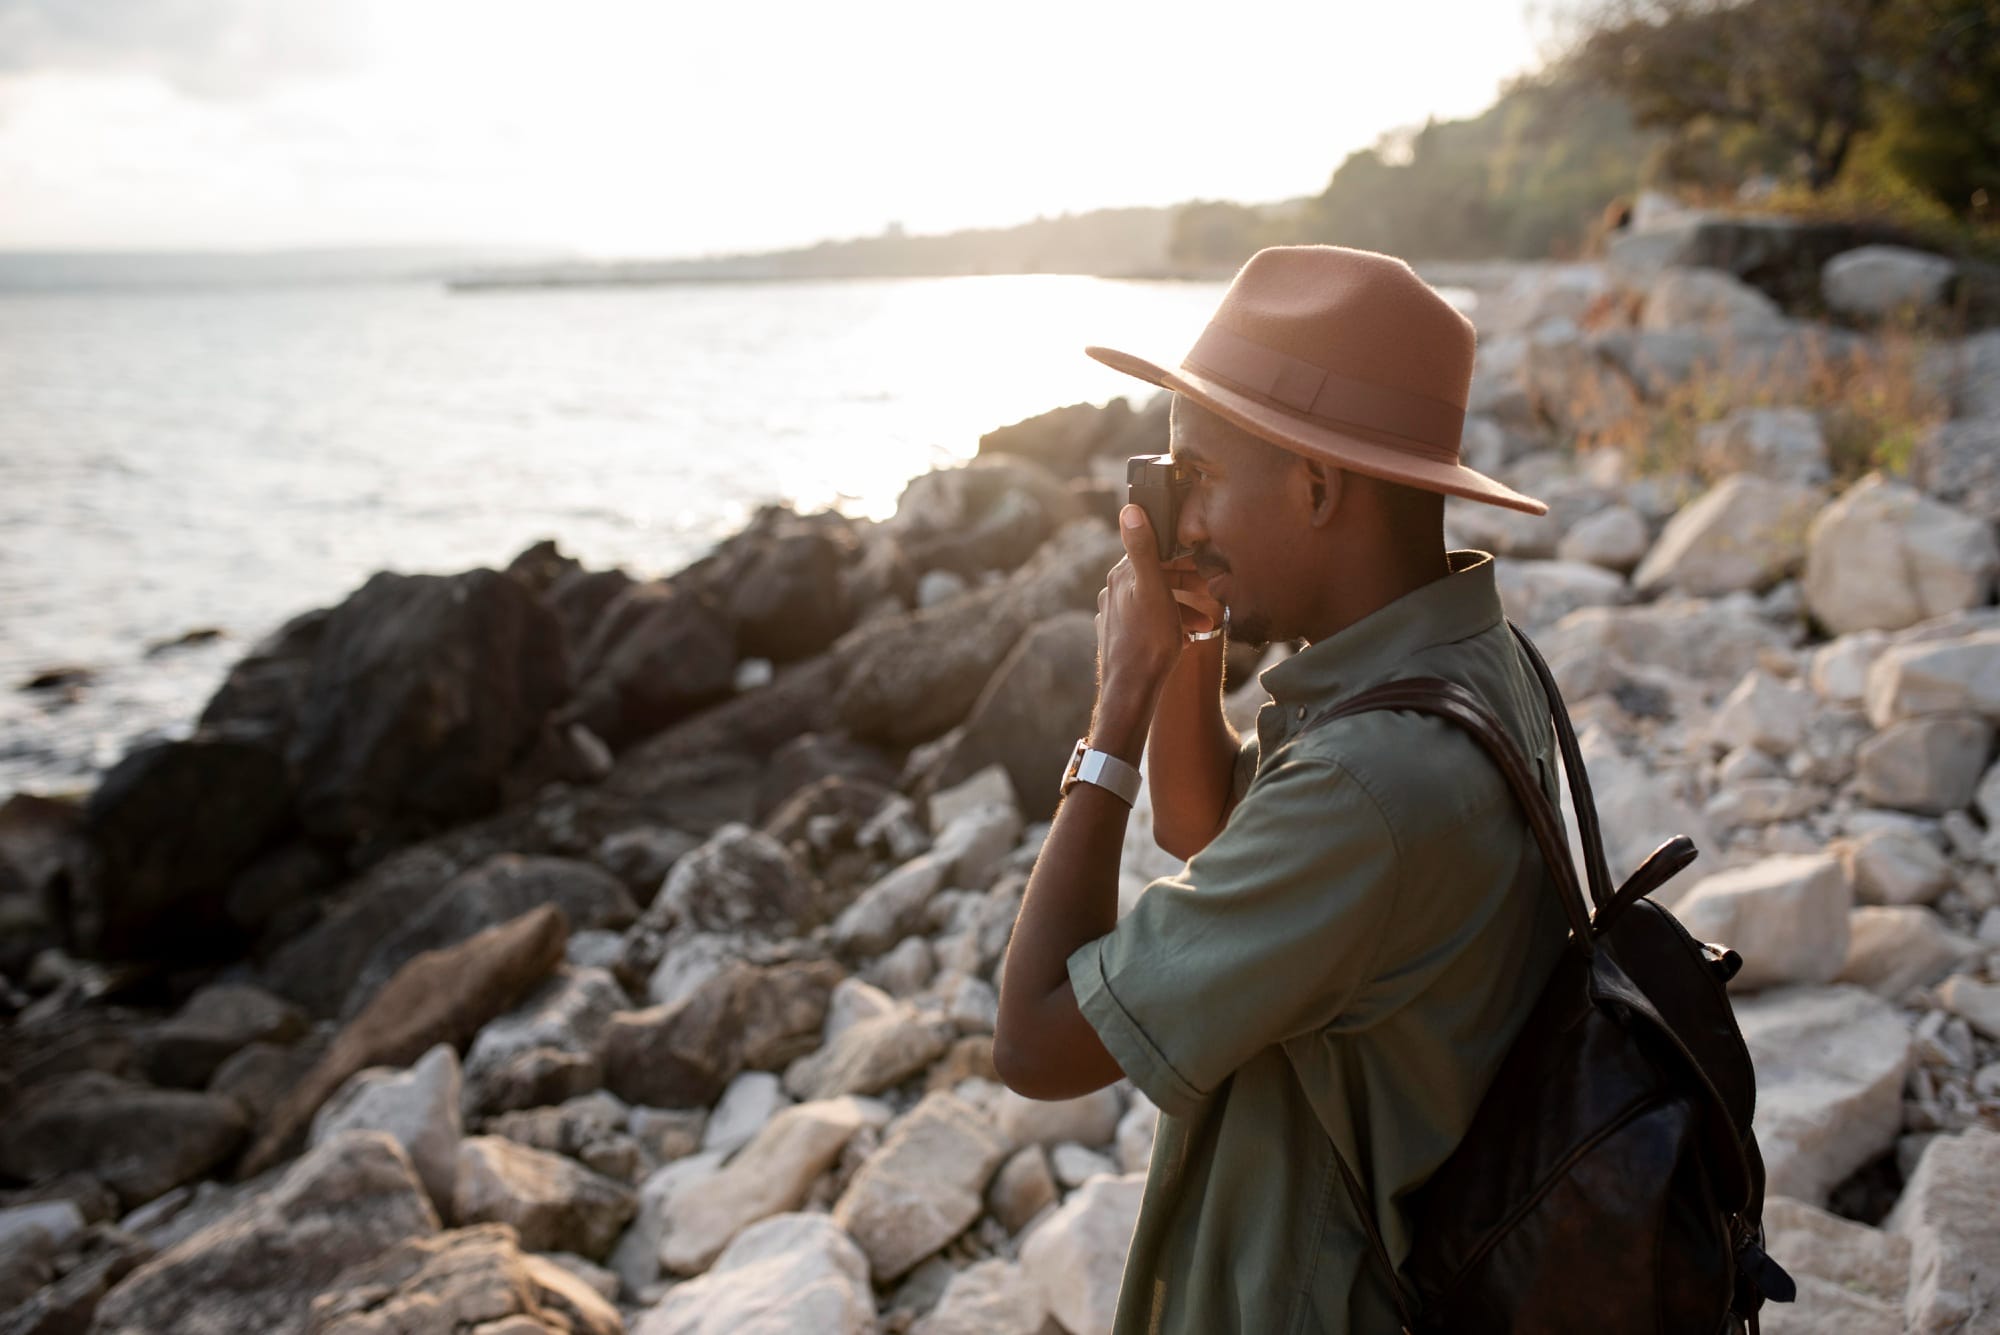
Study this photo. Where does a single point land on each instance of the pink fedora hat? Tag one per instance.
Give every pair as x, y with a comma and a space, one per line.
1344, 355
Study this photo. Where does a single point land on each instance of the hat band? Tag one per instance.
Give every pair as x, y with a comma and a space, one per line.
1424, 425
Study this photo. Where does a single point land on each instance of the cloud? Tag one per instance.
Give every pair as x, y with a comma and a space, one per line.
215, 49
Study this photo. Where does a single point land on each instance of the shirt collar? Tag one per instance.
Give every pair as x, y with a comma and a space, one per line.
1456, 607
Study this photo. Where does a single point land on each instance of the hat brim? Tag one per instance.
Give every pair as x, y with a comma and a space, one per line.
1294, 433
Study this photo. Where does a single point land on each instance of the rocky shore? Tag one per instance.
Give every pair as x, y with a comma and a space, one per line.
548, 950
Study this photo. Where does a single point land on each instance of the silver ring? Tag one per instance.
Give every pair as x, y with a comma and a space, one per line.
1194, 635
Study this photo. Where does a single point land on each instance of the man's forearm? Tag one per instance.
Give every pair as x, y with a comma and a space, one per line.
1193, 753
1042, 1045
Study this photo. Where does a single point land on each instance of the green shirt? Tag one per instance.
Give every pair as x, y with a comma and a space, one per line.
1346, 962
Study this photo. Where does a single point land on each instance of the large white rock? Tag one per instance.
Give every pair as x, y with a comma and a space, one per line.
1022, 1189
871, 1055
1884, 556
992, 1297
1711, 299
1896, 866
1745, 533
972, 845
1851, 1277
1977, 1003
1830, 1065
796, 1274
1540, 593
752, 1099
1953, 676
1947, 1211
1840, 667
1930, 764
922, 1188
636, 1257
770, 1175
1786, 916
570, 1012
419, 1107
1875, 282
1614, 538
1702, 639
988, 787
1784, 444
890, 909
1076, 1257
1893, 949
1763, 712
1090, 1120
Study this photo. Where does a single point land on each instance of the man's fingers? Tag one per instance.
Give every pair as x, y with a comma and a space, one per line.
1137, 531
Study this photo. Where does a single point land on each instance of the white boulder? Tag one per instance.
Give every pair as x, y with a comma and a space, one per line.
1745, 533
1786, 916
1076, 1257
1884, 556
794, 1274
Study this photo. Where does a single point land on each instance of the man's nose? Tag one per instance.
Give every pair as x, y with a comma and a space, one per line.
1190, 526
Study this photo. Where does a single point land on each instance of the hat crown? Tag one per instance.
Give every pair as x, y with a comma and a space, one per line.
1355, 313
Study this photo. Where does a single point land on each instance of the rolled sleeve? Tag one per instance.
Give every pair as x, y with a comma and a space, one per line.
1265, 934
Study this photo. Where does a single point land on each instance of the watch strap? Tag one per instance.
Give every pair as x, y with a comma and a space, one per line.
1105, 770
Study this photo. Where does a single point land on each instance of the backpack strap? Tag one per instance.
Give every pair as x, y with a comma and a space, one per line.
1595, 869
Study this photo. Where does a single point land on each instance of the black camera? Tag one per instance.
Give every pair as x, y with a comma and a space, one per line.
1156, 484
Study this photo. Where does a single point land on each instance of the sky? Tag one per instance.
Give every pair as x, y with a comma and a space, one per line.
661, 127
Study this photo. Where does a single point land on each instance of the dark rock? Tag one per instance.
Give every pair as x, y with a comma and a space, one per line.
1065, 440
736, 734
744, 1017
40, 845
494, 892
537, 1078
989, 515
279, 893
642, 857
260, 1266
93, 1200
810, 757
881, 576
442, 996
218, 1021
908, 680
261, 698
67, 1306
259, 1075
424, 691
740, 879
317, 968
781, 582
552, 1203
470, 1278
137, 1140
837, 804
579, 599
1035, 706
658, 653
167, 831
542, 566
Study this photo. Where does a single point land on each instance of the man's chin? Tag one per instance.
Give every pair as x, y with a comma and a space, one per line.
1247, 627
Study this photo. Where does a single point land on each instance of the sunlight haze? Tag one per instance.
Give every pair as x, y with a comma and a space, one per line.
617, 128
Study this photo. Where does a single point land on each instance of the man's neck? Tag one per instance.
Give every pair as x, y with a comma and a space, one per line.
1379, 581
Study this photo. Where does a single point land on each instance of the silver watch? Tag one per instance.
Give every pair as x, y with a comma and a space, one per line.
1103, 769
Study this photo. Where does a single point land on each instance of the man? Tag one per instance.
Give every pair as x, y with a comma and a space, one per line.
1362, 924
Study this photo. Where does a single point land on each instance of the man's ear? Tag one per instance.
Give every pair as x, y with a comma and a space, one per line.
1325, 485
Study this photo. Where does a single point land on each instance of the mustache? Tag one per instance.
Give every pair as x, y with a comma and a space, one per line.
1207, 564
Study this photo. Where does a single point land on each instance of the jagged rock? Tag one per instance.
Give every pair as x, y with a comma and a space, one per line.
90, 1266
590, 1128
1884, 557
1893, 866
259, 701
990, 515
164, 834
1958, 675
1591, 650
1022, 1189
496, 891
972, 1006
922, 1188
1946, 1211
1031, 711
781, 583
554, 1204
1891, 950
317, 968
890, 909
871, 1056
770, 1175
1851, 1278
904, 970
636, 1257
1786, 916
423, 691
991, 1297
418, 1107
1074, 1165
216, 1023
685, 1054
258, 1267
1930, 764
657, 653
461, 1280
1077, 1256
1783, 444
746, 1106
795, 1274
1746, 533
1540, 593
1976, 1002
813, 758
741, 879
1876, 282
441, 996
1614, 538
1830, 1064
1763, 712
1839, 668
260, 1076
1090, 1120
568, 1013
139, 1141
643, 856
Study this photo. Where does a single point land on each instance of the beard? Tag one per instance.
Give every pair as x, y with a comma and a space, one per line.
1248, 627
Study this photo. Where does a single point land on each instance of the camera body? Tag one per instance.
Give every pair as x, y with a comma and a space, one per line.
1157, 485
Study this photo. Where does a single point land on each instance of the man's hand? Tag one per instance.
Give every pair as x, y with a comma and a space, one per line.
1144, 614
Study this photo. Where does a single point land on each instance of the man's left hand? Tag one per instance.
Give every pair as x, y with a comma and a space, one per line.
1139, 629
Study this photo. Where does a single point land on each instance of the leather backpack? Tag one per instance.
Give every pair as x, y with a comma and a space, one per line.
1609, 1181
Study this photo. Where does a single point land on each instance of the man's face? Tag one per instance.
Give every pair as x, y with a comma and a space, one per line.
1237, 518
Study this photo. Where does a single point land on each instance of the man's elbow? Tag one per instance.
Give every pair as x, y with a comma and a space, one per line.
1020, 1067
